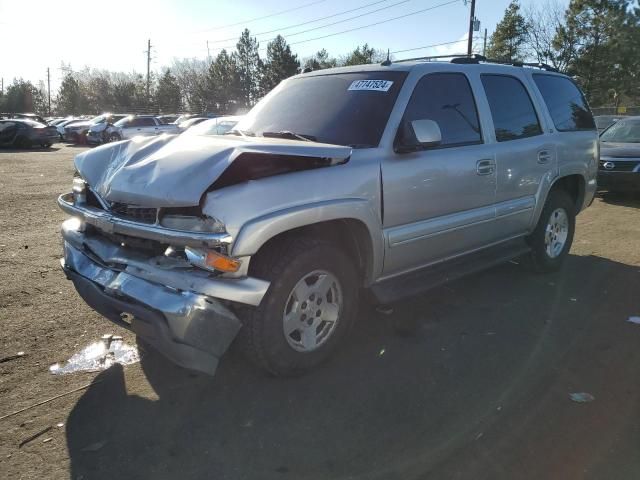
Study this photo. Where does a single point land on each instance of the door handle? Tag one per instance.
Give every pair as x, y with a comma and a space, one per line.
544, 157
485, 167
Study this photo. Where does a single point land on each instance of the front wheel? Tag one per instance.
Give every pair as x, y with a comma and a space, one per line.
114, 137
308, 309
551, 240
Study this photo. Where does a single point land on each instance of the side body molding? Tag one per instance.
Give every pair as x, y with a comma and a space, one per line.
258, 231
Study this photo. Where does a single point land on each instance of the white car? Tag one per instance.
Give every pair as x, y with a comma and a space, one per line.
139, 125
214, 126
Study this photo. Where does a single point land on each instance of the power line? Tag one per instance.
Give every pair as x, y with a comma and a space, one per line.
308, 22
336, 23
244, 22
376, 23
429, 46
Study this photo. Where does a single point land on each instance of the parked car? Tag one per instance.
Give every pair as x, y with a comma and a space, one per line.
619, 167
55, 121
391, 178
60, 127
183, 126
166, 119
30, 116
23, 133
605, 121
214, 126
77, 131
135, 126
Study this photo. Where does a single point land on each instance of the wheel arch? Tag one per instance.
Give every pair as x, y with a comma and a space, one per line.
574, 184
350, 224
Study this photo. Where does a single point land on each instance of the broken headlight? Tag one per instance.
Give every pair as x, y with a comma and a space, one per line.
191, 223
79, 189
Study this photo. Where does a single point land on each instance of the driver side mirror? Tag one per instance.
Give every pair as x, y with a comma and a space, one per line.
419, 134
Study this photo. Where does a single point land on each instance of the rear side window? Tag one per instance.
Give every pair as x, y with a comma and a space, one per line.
511, 108
447, 99
566, 104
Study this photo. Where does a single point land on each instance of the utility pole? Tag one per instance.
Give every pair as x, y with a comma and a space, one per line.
148, 68
472, 17
484, 48
208, 52
49, 91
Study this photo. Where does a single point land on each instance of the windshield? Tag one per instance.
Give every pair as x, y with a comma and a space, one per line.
342, 109
624, 131
122, 122
98, 119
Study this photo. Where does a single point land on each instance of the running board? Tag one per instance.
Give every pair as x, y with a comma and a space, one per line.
414, 283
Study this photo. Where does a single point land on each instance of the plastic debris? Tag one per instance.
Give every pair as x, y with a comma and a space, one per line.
635, 320
582, 397
48, 439
381, 352
99, 356
384, 310
31, 438
12, 357
573, 299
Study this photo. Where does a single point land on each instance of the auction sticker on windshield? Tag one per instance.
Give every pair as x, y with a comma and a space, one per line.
375, 85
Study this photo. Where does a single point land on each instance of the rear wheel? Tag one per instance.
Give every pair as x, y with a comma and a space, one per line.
308, 309
551, 240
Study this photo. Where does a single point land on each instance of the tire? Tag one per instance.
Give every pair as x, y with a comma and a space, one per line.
551, 240
299, 268
113, 137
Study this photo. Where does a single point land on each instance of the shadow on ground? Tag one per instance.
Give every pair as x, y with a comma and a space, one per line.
475, 385
623, 199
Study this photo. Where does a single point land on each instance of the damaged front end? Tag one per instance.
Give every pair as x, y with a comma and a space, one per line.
143, 274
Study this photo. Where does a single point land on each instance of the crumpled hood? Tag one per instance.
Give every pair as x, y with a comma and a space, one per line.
174, 171
620, 150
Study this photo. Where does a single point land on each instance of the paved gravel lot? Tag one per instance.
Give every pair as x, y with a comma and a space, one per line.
471, 381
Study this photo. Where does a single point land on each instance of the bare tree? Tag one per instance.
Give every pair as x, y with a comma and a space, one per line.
543, 21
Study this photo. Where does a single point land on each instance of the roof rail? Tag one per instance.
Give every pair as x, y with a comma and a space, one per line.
476, 59
427, 59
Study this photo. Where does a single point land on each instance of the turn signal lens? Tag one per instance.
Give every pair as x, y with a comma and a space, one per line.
221, 262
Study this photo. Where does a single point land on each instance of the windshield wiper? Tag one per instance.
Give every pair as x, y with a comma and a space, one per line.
291, 135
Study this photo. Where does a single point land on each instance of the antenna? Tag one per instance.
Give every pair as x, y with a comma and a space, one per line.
387, 62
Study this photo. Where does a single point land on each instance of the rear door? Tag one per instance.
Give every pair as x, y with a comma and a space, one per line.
439, 202
525, 155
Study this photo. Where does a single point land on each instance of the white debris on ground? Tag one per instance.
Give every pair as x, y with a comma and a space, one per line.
581, 397
635, 320
99, 356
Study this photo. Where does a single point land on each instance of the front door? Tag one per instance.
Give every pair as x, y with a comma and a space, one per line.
439, 202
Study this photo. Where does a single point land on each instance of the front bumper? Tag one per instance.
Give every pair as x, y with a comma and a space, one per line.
178, 309
94, 138
619, 181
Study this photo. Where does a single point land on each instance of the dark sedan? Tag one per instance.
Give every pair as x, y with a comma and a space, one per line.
26, 133
619, 168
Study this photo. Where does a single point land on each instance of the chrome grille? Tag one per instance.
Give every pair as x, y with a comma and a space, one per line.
619, 165
134, 213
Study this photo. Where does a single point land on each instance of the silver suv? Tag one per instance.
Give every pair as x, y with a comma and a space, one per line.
391, 178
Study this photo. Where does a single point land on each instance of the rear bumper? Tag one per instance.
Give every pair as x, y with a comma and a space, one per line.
176, 310
619, 181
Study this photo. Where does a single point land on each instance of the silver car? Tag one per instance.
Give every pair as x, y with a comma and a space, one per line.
389, 178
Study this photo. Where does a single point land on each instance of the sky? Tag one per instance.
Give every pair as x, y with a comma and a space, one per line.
113, 34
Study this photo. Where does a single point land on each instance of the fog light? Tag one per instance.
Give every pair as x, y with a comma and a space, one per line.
73, 224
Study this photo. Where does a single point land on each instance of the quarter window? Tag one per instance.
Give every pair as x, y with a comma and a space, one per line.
567, 106
511, 108
447, 99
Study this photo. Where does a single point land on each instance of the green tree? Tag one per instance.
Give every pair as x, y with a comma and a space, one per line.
71, 100
249, 68
167, 94
320, 61
223, 83
601, 56
21, 96
507, 41
360, 56
280, 64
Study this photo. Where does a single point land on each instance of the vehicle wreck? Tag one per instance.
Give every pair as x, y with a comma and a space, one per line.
390, 178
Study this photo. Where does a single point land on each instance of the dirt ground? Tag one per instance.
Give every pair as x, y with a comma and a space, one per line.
470, 381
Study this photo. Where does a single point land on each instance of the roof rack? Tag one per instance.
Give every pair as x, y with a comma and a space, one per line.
476, 59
